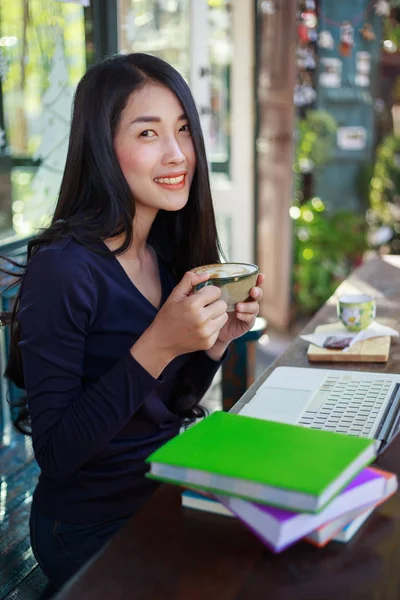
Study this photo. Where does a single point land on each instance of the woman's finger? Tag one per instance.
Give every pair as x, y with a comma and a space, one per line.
215, 309
246, 318
217, 323
256, 293
248, 307
260, 279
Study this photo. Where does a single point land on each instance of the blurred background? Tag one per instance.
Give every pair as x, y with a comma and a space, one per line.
300, 106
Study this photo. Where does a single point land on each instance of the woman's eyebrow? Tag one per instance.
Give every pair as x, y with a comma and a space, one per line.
147, 119
150, 119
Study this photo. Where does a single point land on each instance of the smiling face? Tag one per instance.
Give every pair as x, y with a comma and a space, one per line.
154, 149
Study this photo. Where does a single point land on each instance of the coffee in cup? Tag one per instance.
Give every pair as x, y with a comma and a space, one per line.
235, 280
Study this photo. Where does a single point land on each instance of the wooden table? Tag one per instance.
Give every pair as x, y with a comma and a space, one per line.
166, 552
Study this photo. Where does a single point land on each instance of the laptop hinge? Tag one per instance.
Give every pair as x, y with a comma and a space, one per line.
390, 422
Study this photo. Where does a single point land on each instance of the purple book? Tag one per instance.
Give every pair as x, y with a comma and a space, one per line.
279, 528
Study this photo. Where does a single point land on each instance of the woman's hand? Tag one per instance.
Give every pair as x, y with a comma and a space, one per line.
186, 322
240, 321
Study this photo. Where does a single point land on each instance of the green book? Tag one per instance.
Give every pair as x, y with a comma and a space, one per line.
289, 466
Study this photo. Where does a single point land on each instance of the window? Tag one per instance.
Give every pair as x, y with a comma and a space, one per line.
158, 27
162, 28
42, 58
220, 57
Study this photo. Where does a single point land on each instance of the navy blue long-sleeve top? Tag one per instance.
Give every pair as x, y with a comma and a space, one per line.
96, 413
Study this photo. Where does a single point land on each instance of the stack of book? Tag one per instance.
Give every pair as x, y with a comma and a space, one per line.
284, 482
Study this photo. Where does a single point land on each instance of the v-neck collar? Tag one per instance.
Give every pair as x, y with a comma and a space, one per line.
161, 273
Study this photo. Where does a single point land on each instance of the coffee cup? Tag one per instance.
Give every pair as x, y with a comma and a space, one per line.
235, 280
356, 311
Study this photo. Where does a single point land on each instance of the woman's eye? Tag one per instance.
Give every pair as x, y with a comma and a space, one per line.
185, 128
148, 133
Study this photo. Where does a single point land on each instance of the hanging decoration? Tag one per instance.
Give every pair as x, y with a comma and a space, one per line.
331, 72
325, 40
312, 34
305, 59
302, 33
346, 38
363, 69
367, 32
382, 8
304, 92
310, 19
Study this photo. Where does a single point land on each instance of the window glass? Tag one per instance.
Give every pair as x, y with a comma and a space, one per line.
220, 57
162, 28
42, 58
158, 27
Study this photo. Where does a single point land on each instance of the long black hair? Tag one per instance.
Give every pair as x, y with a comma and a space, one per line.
96, 203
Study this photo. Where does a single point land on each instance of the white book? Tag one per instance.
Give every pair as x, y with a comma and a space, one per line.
345, 534
191, 499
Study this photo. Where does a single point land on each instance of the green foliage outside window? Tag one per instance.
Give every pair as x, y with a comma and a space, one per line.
384, 195
327, 245
315, 140
29, 31
43, 56
326, 248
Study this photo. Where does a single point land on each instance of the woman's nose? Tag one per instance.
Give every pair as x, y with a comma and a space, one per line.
173, 152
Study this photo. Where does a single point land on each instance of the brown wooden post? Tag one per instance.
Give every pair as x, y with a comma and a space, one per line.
274, 156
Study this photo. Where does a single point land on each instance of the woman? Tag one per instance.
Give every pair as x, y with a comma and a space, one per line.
113, 349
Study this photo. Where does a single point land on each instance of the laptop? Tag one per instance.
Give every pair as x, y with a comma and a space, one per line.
350, 402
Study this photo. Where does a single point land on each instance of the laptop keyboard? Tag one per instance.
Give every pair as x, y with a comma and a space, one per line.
347, 404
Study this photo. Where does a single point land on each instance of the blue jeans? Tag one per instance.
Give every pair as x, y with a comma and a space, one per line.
62, 548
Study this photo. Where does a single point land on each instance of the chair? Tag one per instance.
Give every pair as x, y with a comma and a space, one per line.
8, 391
238, 372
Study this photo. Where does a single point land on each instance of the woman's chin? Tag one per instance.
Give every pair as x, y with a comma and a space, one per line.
173, 204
